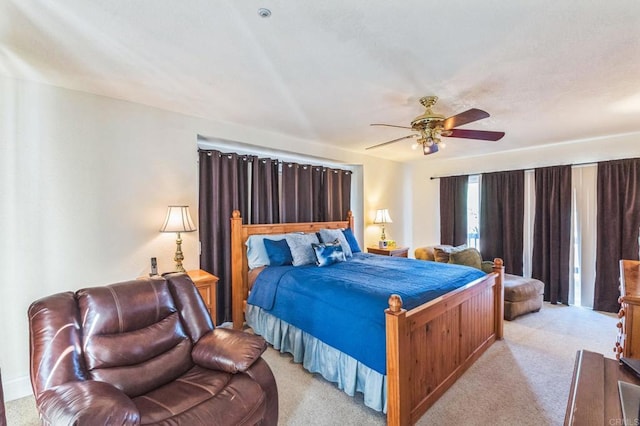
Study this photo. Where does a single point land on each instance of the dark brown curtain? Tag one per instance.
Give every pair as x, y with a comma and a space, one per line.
502, 218
552, 232
223, 188
453, 210
301, 191
265, 191
618, 207
336, 194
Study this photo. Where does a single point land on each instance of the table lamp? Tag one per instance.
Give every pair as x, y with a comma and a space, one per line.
178, 220
382, 217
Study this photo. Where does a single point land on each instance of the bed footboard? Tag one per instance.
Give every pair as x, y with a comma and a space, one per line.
430, 346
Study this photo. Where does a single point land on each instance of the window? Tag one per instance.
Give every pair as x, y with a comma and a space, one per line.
473, 212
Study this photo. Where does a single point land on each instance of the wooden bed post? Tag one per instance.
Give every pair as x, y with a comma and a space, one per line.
237, 281
398, 364
350, 219
498, 267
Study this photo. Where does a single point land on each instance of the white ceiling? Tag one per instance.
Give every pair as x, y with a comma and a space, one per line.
546, 70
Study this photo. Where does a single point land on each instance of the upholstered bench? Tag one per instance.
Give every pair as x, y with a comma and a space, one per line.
521, 295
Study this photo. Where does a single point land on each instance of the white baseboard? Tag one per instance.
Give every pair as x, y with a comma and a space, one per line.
17, 388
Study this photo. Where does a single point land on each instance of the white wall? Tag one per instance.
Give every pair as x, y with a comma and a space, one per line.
425, 197
84, 185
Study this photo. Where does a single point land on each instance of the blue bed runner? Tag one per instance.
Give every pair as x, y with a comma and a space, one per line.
343, 304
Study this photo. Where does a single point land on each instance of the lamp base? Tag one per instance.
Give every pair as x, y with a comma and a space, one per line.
179, 257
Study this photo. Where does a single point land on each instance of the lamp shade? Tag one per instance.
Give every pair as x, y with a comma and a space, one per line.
382, 216
178, 220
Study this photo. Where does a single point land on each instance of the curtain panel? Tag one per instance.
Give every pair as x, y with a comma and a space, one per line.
301, 193
265, 191
453, 210
314, 193
502, 218
223, 187
552, 232
618, 218
336, 194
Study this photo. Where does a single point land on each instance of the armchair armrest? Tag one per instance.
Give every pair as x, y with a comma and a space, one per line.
87, 403
228, 350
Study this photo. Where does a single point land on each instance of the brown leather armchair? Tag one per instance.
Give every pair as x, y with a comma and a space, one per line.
145, 352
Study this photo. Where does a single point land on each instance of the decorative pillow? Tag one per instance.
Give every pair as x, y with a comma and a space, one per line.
301, 250
328, 253
351, 240
467, 257
330, 235
442, 253
278, 252
256, 252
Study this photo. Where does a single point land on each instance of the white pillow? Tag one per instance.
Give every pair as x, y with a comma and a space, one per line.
301, 250
256, 252
329, 235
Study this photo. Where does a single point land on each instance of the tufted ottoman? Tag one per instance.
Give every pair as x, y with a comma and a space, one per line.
521, 296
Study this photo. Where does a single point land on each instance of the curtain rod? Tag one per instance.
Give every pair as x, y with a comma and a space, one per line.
280, 162
588, 163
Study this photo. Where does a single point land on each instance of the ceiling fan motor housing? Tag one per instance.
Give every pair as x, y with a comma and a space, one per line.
428, 119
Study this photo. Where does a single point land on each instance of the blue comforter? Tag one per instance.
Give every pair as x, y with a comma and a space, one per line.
343, 304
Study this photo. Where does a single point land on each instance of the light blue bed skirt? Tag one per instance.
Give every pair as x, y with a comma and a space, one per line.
347, 373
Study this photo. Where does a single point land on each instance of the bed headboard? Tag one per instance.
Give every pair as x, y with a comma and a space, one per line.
239, 265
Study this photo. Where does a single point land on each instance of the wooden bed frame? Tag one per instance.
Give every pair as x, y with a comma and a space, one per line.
428, 347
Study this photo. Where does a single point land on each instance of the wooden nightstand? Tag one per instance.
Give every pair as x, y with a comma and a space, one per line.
207, 285
391, 251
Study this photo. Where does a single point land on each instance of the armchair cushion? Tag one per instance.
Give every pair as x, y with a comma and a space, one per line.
468, 257
228, 350
443, 253
487, 266
204, 397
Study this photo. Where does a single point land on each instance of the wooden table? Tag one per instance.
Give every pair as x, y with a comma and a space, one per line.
207, 285
594, 398
390, 251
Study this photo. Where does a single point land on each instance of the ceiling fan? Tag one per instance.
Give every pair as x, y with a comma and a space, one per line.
431, 127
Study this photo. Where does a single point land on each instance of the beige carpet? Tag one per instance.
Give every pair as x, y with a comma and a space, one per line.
521, 380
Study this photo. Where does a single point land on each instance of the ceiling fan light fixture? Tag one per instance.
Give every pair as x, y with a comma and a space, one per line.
426, 149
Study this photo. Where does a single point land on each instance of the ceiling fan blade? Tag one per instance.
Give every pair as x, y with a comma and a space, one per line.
475, 134
390, 125
463, 118
394, 140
